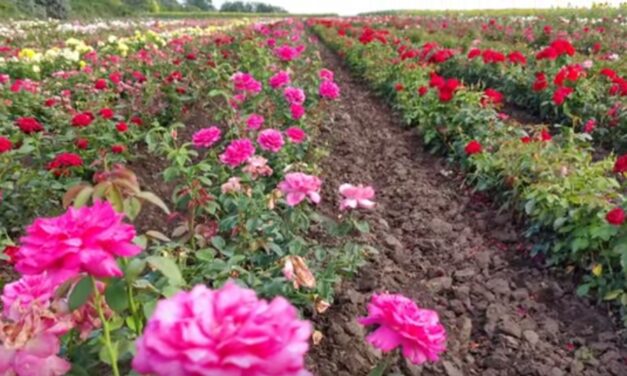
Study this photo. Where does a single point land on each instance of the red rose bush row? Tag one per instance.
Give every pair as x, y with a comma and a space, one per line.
573, 203
92, 287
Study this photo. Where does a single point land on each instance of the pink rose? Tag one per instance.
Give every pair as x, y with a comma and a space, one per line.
329, 90
297, 110
237, 152
296, 135
298, 186
254, 121
400, 323
270, 140
85, 240
206, 137
232, 185
280, 79
356, 196
326, 74
245, 82
294, 95
257, 166
227, 331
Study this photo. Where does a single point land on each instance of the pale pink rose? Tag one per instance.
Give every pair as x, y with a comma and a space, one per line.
246, 82
85, 240
206, 137
232, 185
587, 64
326, 74
356, 197
288, 269
227, 331
270, 140
280, 79
255, 121
298, 186
329, 90
4, 78
294, 95
237, 152
18, 296
257, 166
287, 52
400, 323
37, 357
297, 110
296, 135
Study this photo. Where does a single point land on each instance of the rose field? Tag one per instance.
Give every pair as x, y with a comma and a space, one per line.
399, 193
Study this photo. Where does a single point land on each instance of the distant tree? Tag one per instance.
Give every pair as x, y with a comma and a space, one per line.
59, 9
205, 5
250, 7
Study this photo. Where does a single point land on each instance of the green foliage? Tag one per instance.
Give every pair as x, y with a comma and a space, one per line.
250, 7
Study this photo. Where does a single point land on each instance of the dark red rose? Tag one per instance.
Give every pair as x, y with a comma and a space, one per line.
616, 216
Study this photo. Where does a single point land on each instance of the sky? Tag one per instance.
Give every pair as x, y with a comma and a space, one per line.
352, 7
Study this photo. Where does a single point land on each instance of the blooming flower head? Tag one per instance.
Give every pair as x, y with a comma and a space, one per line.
590, 125
329, 90
118, 149
20, 295
255, 121
270, 140
616, 216
401, 323
245, 82
85, 240
121, 127
298, 186
106, 113
296, 135
231, 185
62, 162
326, 74
237, 152
5, 145
297, 111
257, 166
493, 97
227, 331
29, 125
206, 137
620, 166
294, 95
287, 52
356, 196
473, 147
100, 84
541, 82
560, 94
82, 120
280, 79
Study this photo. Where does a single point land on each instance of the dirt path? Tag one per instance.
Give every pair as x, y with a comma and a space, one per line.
449, 251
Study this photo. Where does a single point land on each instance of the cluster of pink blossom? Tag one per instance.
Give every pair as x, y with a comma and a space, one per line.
328, 88
246, 83
288, 53
206, 137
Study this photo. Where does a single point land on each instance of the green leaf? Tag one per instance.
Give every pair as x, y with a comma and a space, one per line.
218, 242
168, 268
583, 290
154, 199
116, 295
134, 268
132, 207
611, 295
81, 293
362, 226
83, 197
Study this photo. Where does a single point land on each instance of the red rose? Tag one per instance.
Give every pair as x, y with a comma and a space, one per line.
491, 96
399, 87
121, 127
540, 82
473, 53
545, 135
82, 120
620, 165
525, 140
137, 120
50, 102
517, 57
616, 216
5, 145
609, 73
473, 147
106, 113
118, 149
11, 252
115, 77
423, 90
81, 143
560, 95
62, 162
100, 84
29, 125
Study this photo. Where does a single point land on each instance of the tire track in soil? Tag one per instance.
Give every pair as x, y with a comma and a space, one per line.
449, 252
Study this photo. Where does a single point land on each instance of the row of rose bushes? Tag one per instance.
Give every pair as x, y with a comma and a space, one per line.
572, 203
94, 291
553, 81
